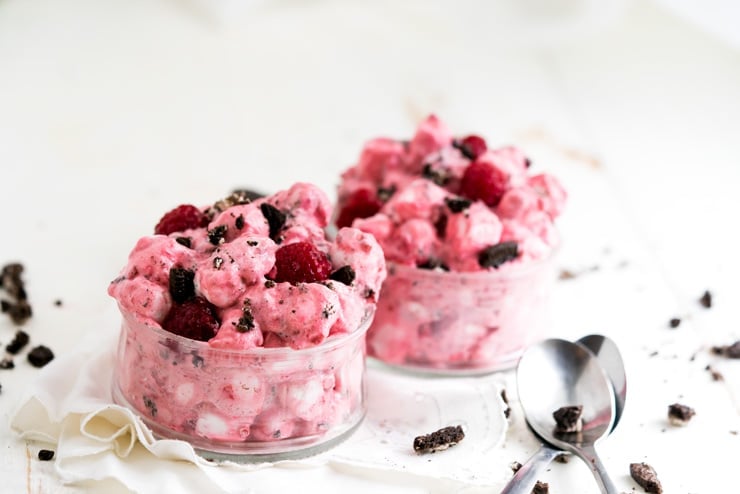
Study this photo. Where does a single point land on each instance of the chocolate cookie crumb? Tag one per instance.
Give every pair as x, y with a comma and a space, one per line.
567, 274
150, 405
439, 440
433, 264
439, 177
541, 488
706, 299
275, 219
729, 351
562, 458
568, 419
182, 286
184, 241
269, 284
515, 466
345, 275
7, 363
46, 455
58, 302
464, 150
239, 222
252, 195
679, 414
234, 199
674, 323
646, 477
457, 204
246, 322
217, 236
505, 399
496, 255
40, 356
716, 375
20, 340
385, 193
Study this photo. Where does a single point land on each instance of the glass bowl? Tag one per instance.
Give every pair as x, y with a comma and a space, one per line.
456, 323
262, 404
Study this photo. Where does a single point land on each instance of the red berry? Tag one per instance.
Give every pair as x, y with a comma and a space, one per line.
362, 203
483, 182
195, 319
301, 262
475, 145
181, 218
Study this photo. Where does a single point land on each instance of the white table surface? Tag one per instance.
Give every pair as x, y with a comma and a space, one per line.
112, 112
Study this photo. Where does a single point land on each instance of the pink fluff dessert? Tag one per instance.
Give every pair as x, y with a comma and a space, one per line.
468, 233
244, 325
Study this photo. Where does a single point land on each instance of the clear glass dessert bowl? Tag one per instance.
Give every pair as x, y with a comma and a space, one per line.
460, 323
261, 404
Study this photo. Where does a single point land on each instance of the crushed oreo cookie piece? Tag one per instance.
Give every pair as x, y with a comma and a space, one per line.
496, 255
7, 363
706, 299
217, 236
239, 222
275, 219
150, 405
246, 321
269, 284
562, 457
182, 286
217, 262
19, 312
184, 241
716, 375
252, 195
433, 264
679, 414
20, 340
40, 356
345, 275
58, 302
568, 419
464, 150
729, 351
507, 407
234, 199
439, 440
46, 455
385, 193
457, 204
646, 477
198, 361
440, 226
541, 488
515, 466
439, 177
674, 322
11, 281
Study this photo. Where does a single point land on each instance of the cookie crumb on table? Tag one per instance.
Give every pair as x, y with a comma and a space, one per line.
20, 340
679, 414
40, 356
439, 440
674, 322
515, 466
46, 454
706, 299
729, 351
646, 477
541, 488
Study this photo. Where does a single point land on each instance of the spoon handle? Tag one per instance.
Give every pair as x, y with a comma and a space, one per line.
588, 454
524, 479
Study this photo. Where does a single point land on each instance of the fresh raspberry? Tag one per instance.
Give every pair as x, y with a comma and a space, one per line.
472, 146
301, 262
195, 319
362, 203
483, 182
180, 219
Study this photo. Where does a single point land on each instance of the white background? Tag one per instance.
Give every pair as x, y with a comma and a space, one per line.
112, 112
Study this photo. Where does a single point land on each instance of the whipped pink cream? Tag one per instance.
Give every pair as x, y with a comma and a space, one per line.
468, 233
285, 360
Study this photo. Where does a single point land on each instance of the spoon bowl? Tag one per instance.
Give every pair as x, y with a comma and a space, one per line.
610, 359
557, 373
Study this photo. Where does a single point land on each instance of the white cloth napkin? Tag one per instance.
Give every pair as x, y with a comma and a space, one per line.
70, 406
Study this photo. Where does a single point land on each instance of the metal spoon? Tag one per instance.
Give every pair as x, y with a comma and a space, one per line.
610, 359
555, 373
